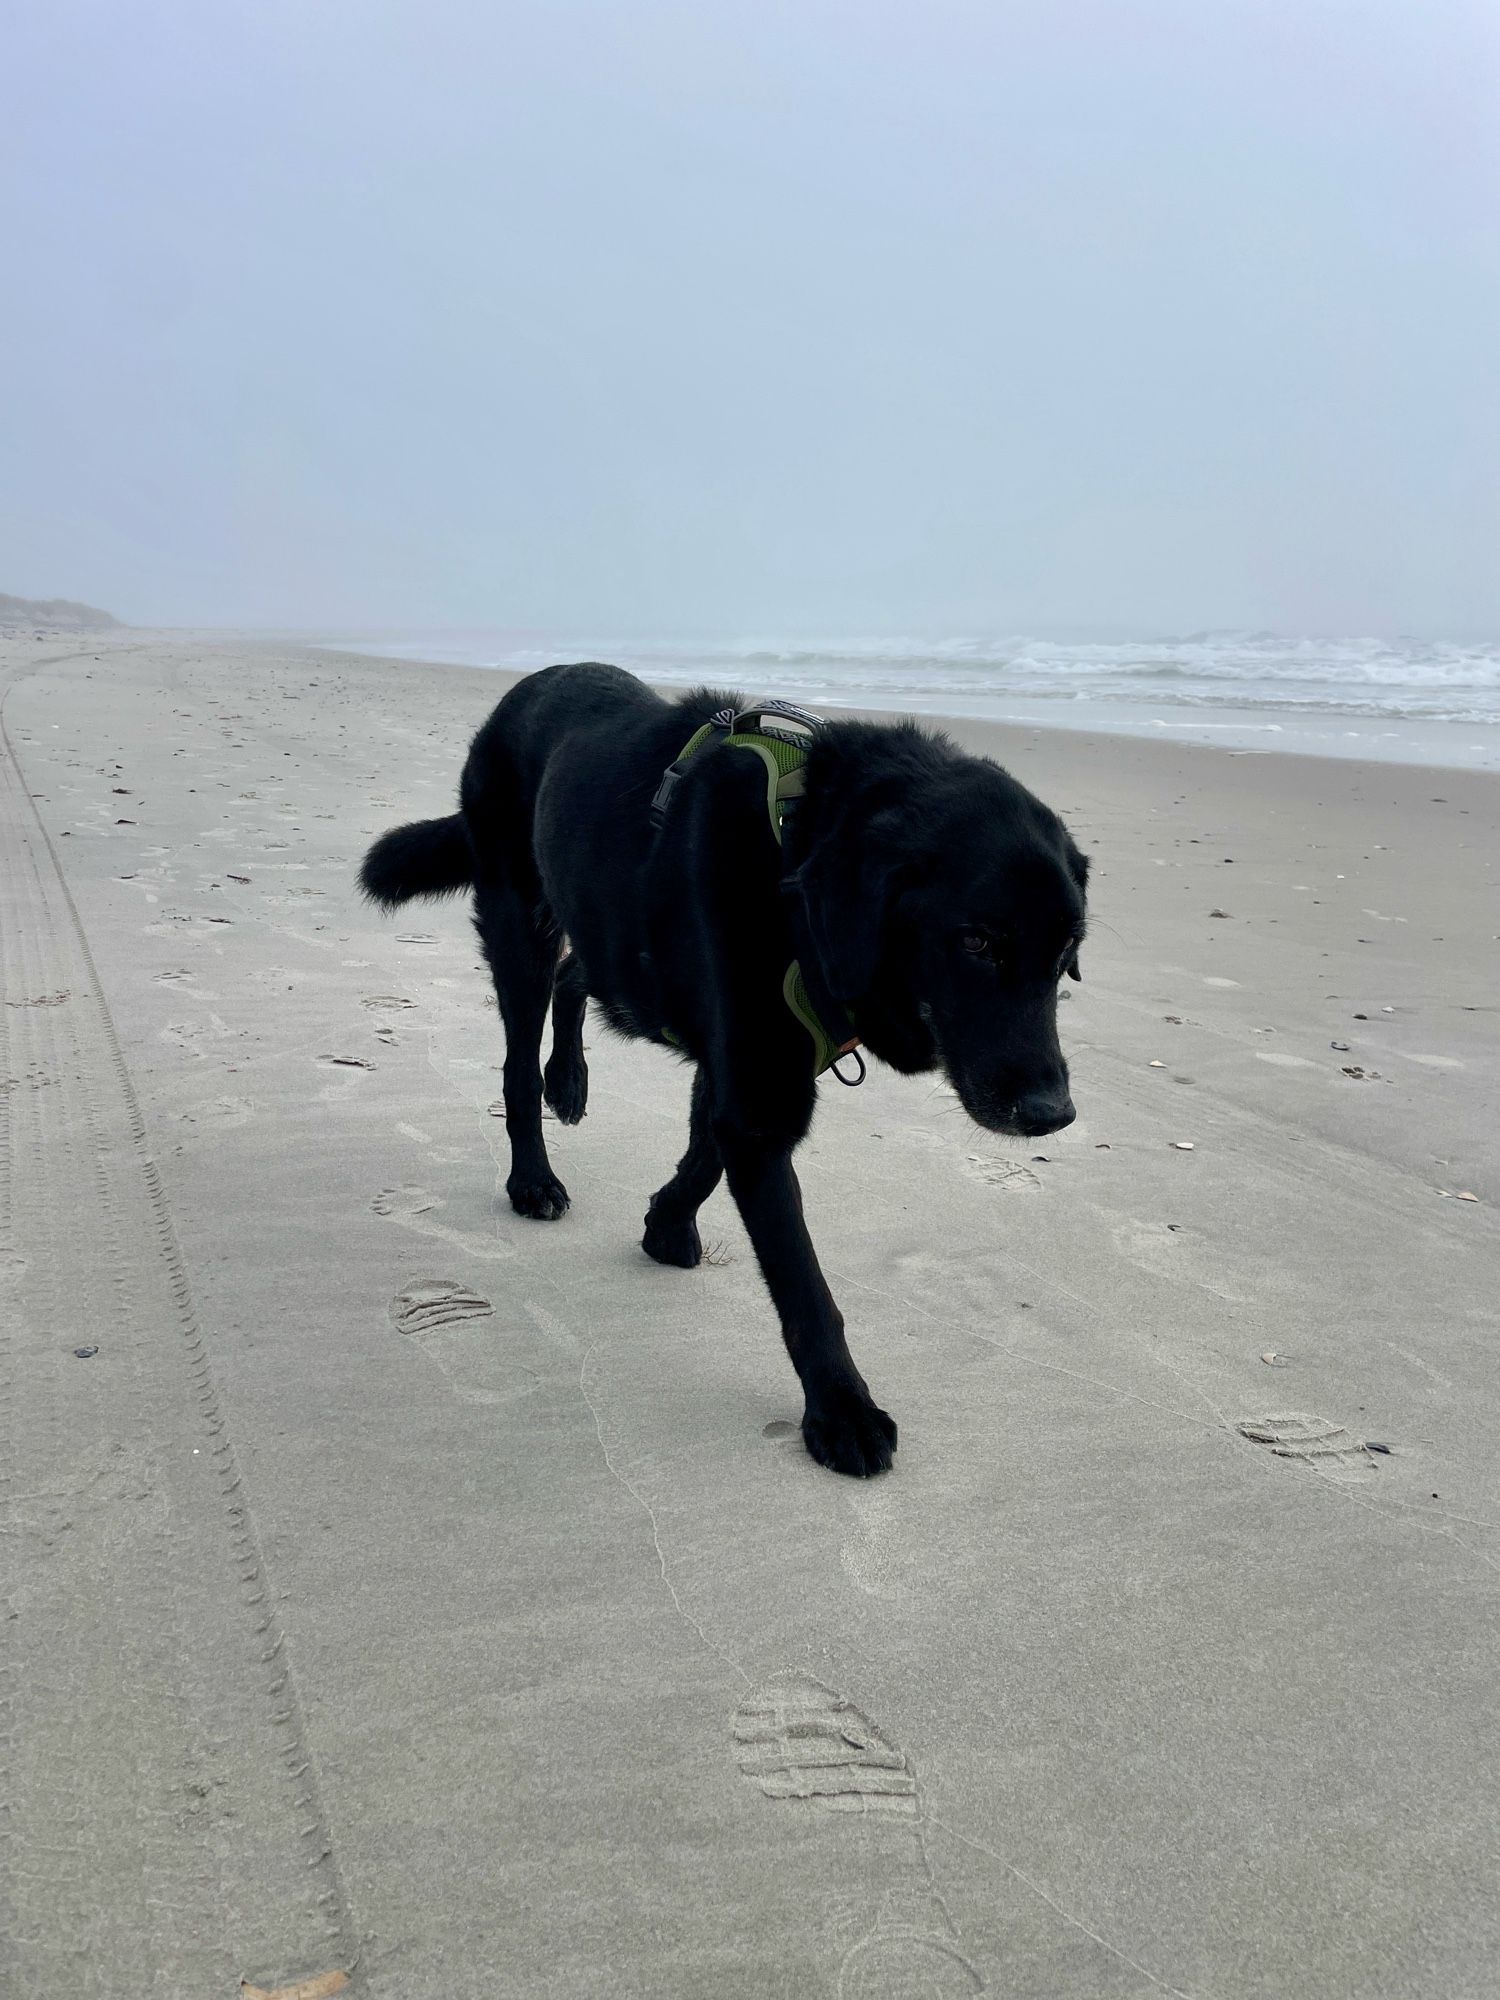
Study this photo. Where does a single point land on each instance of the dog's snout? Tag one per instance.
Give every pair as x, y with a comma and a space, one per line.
1044, 1111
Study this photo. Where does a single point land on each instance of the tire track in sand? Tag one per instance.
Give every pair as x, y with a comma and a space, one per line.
160, 1829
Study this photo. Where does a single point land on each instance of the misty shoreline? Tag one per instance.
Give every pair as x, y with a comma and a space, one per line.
869, 684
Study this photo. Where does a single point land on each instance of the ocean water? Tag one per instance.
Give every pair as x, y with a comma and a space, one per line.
1404, 700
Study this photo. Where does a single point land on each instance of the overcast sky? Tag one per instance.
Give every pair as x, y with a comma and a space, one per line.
754, 317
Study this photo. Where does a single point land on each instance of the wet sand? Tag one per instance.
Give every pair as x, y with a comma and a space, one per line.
407, 1587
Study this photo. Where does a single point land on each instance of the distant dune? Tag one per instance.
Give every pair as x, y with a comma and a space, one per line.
52, 614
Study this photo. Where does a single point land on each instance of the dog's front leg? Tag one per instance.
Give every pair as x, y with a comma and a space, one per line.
842, 1426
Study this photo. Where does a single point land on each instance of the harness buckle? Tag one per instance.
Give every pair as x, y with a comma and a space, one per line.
663, 794
721, 719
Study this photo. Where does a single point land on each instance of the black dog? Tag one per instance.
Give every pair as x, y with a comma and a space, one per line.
928, 899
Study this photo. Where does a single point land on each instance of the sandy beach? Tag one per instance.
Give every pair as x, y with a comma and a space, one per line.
400, 1587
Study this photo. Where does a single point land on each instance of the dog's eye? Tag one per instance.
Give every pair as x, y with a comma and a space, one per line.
979, 943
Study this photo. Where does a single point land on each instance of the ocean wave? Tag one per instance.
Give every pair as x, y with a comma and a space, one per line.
1234, 657
1434, 681
1424, 680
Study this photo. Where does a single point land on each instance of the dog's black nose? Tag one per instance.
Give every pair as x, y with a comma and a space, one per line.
1044, 1111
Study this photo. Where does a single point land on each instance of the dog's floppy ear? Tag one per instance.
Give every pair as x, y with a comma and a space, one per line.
1078, 868
843, 888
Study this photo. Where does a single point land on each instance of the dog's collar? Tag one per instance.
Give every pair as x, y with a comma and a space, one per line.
781, 735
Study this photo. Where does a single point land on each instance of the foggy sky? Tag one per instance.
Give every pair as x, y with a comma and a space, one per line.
754, 317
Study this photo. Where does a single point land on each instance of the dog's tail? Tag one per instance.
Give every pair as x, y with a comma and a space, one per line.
430, 857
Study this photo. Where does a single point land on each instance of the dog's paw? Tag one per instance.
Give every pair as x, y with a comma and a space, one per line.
673, 1243
850, 1434
541, 1196
565, 1085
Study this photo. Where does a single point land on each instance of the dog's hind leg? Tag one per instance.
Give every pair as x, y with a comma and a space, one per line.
521, 946
565, 1081
671, 1221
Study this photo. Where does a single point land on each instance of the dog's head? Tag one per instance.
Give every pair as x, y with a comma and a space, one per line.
946, 903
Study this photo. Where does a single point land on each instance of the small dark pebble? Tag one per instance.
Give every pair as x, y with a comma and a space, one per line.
1361, 1017
85, 1353
1342, 1047
1041, 1158
1383, 1449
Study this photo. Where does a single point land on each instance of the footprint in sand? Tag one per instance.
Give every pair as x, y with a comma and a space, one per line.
346, 1078
912, 1951
1012, 1175
221, 1113
190, 1036
429, 1304
415, 1208
1166, 1253
430, 1312
1314, 1440
387, 1003
799, 1741
868, 1558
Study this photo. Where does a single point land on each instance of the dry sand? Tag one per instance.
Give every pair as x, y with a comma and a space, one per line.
409, 1587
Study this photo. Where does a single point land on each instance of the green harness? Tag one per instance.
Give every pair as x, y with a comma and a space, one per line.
785, 759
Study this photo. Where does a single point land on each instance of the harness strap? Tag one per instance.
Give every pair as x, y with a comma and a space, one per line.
786, 774
782, 747
826, 1050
